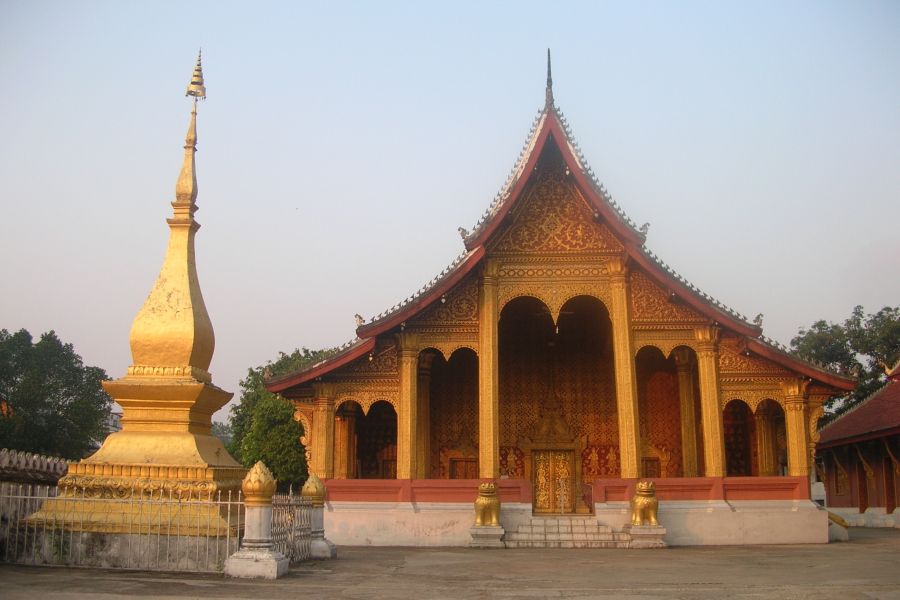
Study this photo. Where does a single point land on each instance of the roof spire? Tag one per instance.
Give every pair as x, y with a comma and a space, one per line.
548, 99
196, 88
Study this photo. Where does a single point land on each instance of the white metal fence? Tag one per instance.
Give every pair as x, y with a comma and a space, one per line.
291, 525
156, 530
159, 531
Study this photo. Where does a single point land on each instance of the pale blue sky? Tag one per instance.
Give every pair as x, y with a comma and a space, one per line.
343, 143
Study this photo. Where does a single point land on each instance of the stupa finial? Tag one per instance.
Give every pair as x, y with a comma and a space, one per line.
172, 334
548, 100
196, 88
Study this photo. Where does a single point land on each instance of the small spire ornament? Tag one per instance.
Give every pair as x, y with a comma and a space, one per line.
196, 88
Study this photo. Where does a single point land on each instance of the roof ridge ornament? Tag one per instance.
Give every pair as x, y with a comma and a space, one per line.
548, 94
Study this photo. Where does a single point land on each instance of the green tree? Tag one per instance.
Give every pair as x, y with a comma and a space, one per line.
274, 438
862, 346
54, 404
253, 391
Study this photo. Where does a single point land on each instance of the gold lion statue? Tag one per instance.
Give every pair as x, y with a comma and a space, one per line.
487, 506
644, 504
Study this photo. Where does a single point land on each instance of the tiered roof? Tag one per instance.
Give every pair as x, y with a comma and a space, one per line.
551, 126
876, 416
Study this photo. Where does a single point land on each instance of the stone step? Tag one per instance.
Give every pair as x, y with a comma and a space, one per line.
567, 544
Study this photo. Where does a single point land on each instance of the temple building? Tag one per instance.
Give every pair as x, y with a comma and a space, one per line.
857, 459
561, 358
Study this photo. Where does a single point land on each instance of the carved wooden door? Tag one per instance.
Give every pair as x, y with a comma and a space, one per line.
554, 481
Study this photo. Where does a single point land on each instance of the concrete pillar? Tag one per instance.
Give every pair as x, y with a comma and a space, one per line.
320, 547
626, 380
257, 557
683, 363
710, 407
407, 415
488, 377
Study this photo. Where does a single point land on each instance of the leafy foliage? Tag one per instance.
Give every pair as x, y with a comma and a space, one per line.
861, 346
273, 438
253, 395
54, 404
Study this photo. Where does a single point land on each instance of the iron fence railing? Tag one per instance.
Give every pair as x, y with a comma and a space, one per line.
291, 525
136, 529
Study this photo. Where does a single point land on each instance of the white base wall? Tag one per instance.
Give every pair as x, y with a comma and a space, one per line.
686, 522
873, 517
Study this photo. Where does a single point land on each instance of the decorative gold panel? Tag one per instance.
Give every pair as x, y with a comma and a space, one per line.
651, 303
553, 216
554, 481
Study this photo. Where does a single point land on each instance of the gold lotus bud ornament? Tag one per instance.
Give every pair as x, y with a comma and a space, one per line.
314, 490
258, 486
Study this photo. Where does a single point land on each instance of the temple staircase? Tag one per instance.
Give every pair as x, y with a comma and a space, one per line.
565, 532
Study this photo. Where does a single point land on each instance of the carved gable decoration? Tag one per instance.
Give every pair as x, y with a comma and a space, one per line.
650, 303
732, 360
555, 217
383, 364
460, 307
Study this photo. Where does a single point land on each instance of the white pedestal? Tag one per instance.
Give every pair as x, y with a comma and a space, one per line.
646, 536
487, 536
256, 563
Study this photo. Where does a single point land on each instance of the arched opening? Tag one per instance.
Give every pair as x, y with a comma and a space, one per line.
739, 432
376, 442
452, 425
347, 417
659, 407
558, 423
771, 445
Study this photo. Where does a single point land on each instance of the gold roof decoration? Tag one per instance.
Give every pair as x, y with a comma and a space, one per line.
196, 88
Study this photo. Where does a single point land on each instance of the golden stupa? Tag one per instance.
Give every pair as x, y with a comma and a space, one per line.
165, 449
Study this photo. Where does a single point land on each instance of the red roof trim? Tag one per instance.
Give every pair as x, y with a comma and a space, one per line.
832, 379
690, 297
862, 437
425, 300
352, 353
552, 126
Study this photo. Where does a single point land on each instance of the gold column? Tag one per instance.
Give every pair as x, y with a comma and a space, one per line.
688, 414
710, 407
765, 442
626, 381
488, 378
407, 417
323, 426
796, 427
423, 431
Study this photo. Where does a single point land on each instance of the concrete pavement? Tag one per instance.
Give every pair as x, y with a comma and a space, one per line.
866, 567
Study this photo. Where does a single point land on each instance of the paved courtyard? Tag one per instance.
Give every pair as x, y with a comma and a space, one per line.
866, 567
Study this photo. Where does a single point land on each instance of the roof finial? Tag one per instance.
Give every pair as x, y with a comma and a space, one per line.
548, 100
196, 88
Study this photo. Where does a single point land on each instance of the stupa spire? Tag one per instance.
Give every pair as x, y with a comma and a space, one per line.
172, 334
548, 94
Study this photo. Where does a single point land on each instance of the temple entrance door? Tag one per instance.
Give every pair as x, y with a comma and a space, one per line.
554, 481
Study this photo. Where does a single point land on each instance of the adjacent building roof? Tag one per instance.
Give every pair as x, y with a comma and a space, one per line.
550, 126
876, 416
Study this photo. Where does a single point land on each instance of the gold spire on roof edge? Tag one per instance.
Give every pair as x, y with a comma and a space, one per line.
172, 335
